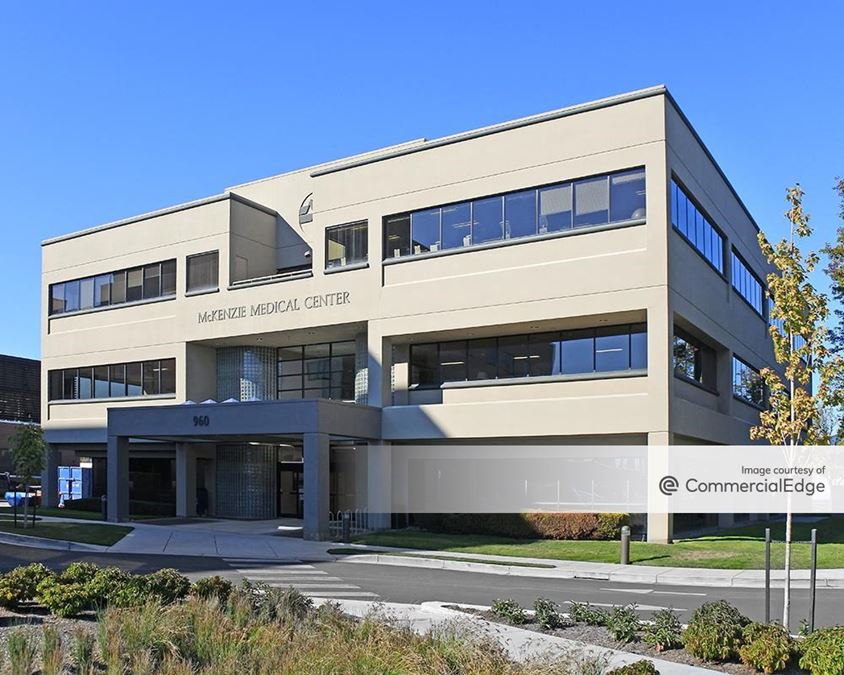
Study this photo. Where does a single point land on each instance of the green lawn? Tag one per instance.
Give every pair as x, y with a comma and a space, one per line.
741, 548
105, 535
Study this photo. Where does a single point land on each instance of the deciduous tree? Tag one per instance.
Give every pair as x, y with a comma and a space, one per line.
28, 453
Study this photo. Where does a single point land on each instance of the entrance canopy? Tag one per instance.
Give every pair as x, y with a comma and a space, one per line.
269, 420
315, 422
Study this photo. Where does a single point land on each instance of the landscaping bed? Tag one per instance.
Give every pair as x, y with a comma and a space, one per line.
88, 620
718, 637
83, 533
738, 549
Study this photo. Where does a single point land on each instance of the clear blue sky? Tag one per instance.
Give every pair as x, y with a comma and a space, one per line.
109, 109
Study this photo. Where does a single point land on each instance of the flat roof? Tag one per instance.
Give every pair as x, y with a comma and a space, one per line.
420, 145
163, 212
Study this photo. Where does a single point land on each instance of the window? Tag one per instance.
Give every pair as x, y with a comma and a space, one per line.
346, 244
747, 284
748, 384
203, 272
116, 380
114, 288
396, 236
693, 360
325, 370
609, 349
690, 222
600, 200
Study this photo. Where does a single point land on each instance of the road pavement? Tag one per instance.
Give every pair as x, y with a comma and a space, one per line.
343, 579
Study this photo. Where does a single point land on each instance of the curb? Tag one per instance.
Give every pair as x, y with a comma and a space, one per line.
661, 576
52, 544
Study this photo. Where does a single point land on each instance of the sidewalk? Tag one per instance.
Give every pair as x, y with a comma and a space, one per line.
519, 643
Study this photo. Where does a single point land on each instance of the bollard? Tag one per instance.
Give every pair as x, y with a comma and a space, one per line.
347, 527
625, 545
104, 507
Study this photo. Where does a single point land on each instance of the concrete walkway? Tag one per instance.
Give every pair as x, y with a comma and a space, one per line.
519, 643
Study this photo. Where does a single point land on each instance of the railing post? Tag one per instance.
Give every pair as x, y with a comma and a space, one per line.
813, 579
767, 575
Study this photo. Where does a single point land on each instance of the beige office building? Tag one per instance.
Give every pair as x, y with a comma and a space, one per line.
587, 275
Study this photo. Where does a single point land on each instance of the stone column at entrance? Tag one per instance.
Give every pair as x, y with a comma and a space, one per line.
50, 478
117, 475
185, 480
316, 451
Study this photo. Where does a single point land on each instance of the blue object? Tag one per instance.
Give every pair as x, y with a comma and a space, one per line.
74, 483
16, 498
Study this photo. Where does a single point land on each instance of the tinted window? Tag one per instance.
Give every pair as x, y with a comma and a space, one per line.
168, 277
638, 347
482, 359
85, 382
746, 284
396, 236
544, 355
424, 365
346, 244
56, 298
612, 349
520, 212
425, 231
325, 370
101, 382
71, 383
747, 383
71, 296
134, 284
456, 225
487, 220
578, 352
134, 380
203, 271
86, 293
453, 361
555, 208
152, 281
689, 221
627, 195
102, 290
591, 202
117, 378
168, 376
118, 287
152, 372
513, 356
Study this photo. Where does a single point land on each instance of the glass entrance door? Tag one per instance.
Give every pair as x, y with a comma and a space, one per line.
290, 490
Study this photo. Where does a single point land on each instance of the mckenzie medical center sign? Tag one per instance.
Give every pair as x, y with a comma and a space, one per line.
269, 308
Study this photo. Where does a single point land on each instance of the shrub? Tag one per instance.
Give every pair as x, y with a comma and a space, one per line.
823, 651
583, 612
664, 631
105, 586
643, 667
79, 573
63, 599
509, 610
623, 622
21, 584
546, 613
52, 651
22, 652
767, 647
212, 587
533, 525
167, 585
715, 631
82, 651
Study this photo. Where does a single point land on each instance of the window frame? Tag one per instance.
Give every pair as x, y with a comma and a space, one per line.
739, 397
76, 375
358, 262
506, 239
95, 279
706, 351
204, 289
301, 373
762, 312
673, 180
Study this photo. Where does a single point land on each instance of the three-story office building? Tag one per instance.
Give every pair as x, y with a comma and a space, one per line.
586, 275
